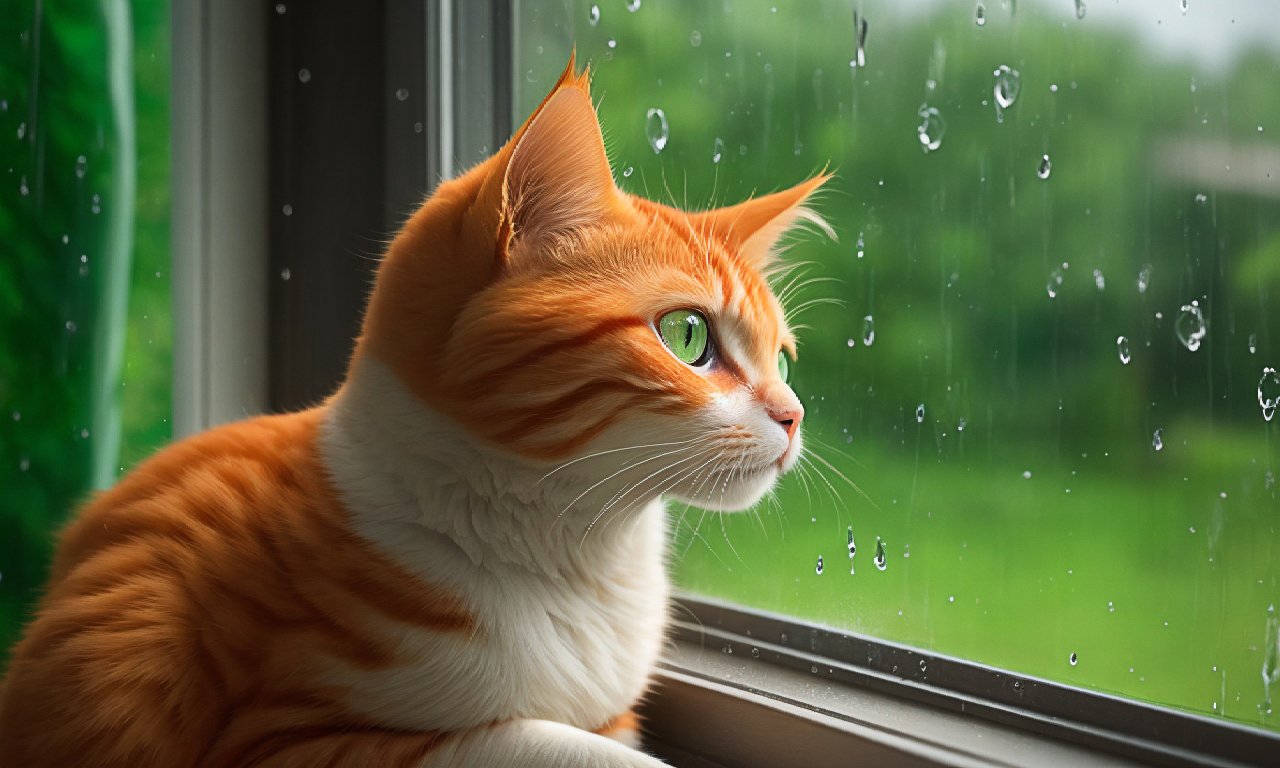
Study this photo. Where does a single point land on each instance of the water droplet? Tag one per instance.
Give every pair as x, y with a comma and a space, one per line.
1008, 82
860, 31
402, 94
84, 434
626, 173
1073, 658
1201, 198
70, 325
861, 246
23, 189
22, 131
1099, 280
95, 203
285, 274
924, 665
1269, 392
1270, 655
717, 150
1182, 6
961, 424
1046, 167
880, 557
1026, 474
24, 464
17, 416
1080, 9
1190, 326
980, 15
1111, 606
920, 413
1253, 343
1055, 282
593, 16
633, 5
951, 598
304, 75
611, 43
755, 652
1144, 278
931, 128
695, 38
656, 129
850, 343
1122, 347
286, 209
82, 166
818, 569
853, 548
1157, 440
869, 330
280, 9
417, 127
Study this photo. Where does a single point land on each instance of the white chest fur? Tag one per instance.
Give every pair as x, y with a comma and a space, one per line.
568, 627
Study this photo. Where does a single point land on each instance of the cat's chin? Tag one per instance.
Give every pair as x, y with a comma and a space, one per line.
743, 491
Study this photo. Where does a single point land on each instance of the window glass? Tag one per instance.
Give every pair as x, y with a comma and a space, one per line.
1049, 373
85, 335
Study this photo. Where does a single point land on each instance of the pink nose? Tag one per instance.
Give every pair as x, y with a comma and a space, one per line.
788, 418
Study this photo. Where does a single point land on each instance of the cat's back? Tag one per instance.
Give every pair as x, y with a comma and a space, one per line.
209, 583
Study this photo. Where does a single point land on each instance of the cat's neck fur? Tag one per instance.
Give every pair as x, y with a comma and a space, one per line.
406, 472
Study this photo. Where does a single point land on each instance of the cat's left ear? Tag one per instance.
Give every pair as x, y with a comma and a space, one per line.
557, 177
754, 227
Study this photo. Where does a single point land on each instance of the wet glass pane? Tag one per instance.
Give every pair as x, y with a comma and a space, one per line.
1043, 406
85, 333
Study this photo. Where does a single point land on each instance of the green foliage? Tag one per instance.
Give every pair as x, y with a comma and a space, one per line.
56, 130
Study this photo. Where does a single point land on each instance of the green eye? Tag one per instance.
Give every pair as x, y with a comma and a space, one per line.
784, 367
685, 333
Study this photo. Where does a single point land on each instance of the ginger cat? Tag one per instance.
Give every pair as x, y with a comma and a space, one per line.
458, 559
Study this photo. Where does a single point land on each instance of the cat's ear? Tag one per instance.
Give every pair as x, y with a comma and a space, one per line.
557, 177
754, 227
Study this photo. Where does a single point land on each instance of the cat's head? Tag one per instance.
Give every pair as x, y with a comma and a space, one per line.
557, 317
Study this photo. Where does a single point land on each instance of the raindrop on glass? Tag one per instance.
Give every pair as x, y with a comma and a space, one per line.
594, 15
695, 38
1190, 326
980, 15
1026, 474
24, 464
633, 5
1099, 280
402, 94
82, 166
22, 131
853, 548
860, 31
818, 569
931, 128
920, 413
1122, 348
1073, 658
95, 203
1055, 282
1201, 198
280, 9
1157, 440
869, 330
861, 246
1080, 9
1270, 655
656, 129
626, 173
286, 209
880, 557
1046, 167
23, 189
1111, 606
1007, 85
612, 43
285, 274
850, 343
717, 150
1253, 343
304, 75
1269, 392
1144, 278
1182, 6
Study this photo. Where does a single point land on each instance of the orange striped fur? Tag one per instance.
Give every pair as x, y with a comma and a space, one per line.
455, 560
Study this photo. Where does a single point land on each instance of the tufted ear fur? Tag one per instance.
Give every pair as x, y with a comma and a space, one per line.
557, 178
753, 227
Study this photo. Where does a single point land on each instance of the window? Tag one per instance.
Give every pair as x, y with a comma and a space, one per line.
1050, 373
85, 339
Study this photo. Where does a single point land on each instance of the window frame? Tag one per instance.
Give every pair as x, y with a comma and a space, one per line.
230, 156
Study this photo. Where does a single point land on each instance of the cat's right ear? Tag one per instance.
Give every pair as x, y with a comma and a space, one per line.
557, 177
